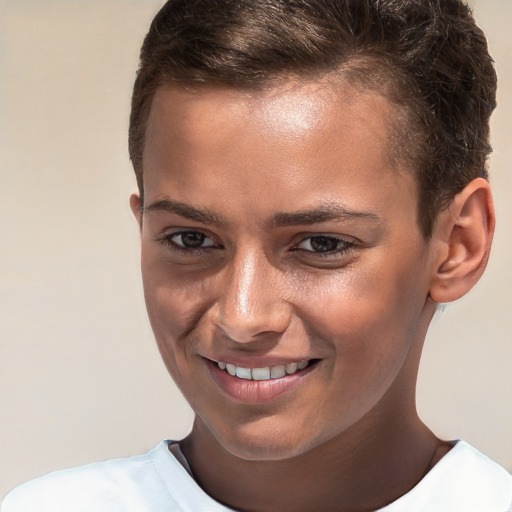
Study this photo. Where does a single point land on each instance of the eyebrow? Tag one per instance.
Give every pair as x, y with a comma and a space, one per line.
329, 212
324, 213
202, 215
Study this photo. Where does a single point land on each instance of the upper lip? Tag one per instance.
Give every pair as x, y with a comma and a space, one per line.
253, 361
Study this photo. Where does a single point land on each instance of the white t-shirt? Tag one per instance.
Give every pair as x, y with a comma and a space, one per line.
464, 480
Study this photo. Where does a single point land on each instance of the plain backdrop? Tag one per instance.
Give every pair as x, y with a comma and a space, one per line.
80, 376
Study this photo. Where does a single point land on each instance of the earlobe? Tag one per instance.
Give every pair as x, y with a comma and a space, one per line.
463, 236
135, 206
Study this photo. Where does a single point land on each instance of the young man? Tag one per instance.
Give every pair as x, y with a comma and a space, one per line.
311, 185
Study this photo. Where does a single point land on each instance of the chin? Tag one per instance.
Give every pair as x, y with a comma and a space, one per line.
263, 451
260, 444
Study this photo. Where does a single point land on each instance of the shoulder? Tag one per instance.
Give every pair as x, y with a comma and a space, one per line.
130, 484
478, 477
464, 479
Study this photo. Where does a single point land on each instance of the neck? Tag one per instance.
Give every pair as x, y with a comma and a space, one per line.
356, 471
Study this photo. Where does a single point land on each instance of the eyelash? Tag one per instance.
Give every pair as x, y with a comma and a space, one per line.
167, 240
344, 246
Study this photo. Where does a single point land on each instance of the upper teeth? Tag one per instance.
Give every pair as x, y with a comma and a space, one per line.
269, 372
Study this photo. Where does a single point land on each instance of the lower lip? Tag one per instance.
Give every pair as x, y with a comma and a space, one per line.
256, 391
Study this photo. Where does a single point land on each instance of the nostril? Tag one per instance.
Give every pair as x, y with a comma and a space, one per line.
241, 334
249, 326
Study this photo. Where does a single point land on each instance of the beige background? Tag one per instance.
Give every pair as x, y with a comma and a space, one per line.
80, 377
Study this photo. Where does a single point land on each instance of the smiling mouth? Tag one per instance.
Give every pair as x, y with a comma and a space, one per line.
265, 373
262, 384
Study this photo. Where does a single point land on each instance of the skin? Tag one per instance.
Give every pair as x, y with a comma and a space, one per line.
258, 178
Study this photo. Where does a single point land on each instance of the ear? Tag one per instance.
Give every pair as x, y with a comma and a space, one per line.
462, 240
135, 206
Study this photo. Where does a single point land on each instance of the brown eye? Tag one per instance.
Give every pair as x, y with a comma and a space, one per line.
192, 240
323, 244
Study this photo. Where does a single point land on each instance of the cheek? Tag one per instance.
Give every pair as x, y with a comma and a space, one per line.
175, 302
367, 317
175, 305
175, 297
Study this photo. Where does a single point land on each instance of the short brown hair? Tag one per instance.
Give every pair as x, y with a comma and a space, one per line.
431, 50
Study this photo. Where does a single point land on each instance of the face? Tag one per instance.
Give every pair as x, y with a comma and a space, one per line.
284, 271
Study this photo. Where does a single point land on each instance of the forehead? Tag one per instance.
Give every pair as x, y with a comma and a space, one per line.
301, 99
301, 138
290, 110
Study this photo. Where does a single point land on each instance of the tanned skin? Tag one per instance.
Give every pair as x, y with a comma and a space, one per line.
278, 227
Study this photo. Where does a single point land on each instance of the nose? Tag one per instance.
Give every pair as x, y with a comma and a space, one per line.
251, 299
